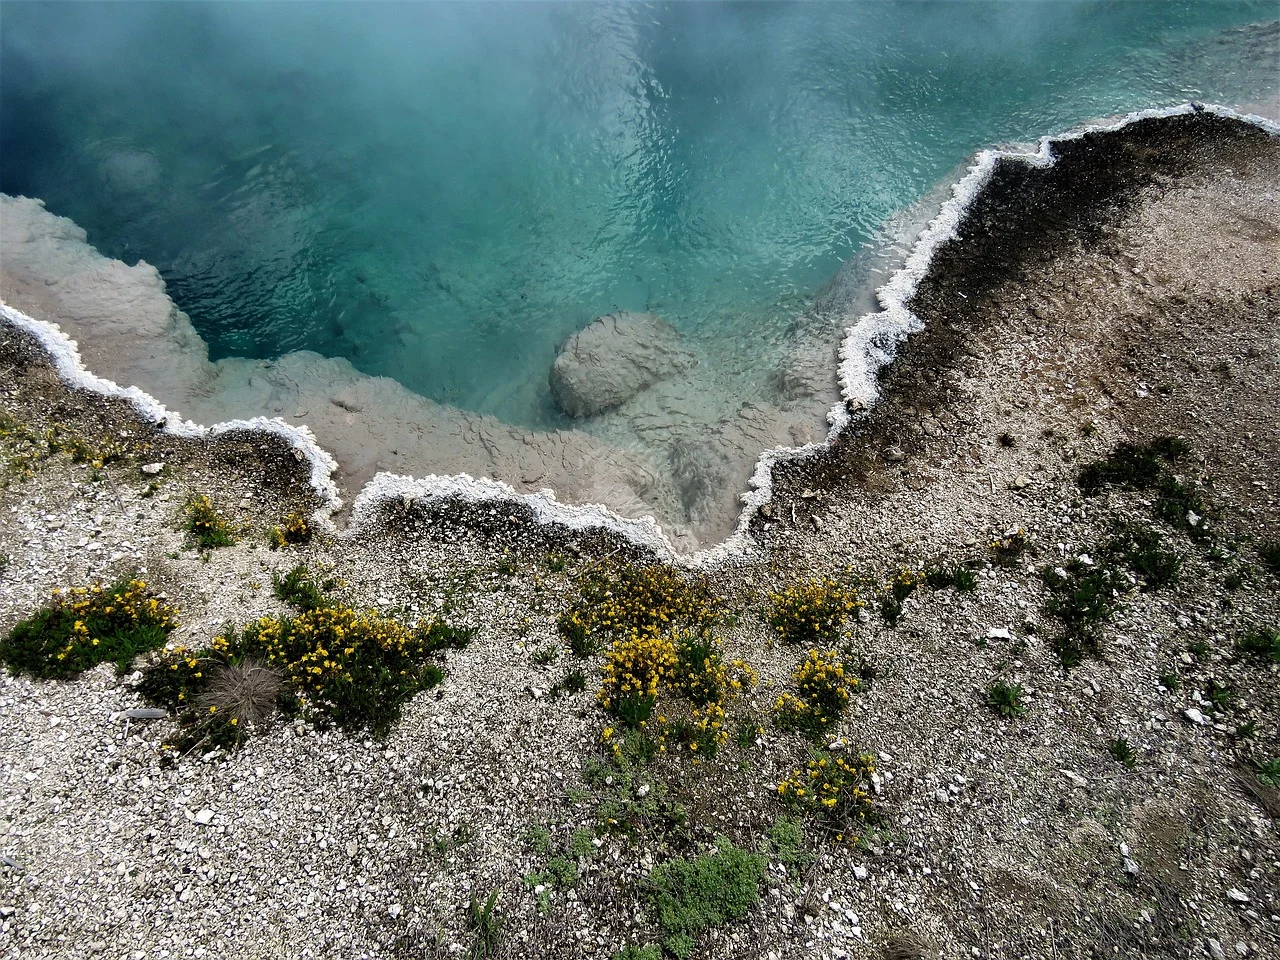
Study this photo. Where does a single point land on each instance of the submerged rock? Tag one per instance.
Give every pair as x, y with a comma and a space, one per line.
614, 358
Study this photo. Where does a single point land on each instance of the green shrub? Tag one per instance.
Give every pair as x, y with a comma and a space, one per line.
814, 613
1005, 699
1269, 554
299, 589
1082, 597
1141, 550
786, 843
86, 626
205, 526
334, 664
692, 896
633, 952
1262, 643
1133, 466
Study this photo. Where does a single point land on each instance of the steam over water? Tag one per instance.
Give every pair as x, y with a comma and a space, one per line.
442, 193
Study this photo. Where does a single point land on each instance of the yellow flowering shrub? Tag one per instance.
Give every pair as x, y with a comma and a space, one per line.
812, 613
86, 626
355, 669
833, 788
294, 532
205, 526
823, 684
631, 601
686, 675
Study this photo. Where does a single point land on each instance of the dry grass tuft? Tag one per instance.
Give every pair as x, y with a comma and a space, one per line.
242, 692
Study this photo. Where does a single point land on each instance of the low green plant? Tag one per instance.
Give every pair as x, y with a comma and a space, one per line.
1082, 597
1219, 694
1269, 554
204, 525
1170, 681
635, 952
896, 592
1268, 772
299, 589
484, 921
812, 613
1141, 550
1007, 550
1262, 643
1247, 731
1199, 649
691, 896
1180, 504
1005, 699
86, 626
545, 656
958, 576
575, 681
1132, 466
1122, 752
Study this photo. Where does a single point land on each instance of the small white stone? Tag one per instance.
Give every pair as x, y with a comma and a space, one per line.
1195, 716
1237, 896
204, 817
151, 469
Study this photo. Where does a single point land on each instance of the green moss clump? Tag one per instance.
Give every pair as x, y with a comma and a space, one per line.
86, 626
691, 896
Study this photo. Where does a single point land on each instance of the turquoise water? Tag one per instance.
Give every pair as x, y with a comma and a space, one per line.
442, 193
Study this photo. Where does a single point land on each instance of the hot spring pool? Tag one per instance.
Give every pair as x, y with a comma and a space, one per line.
442, 193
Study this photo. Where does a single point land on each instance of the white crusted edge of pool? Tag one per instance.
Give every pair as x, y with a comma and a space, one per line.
867, 346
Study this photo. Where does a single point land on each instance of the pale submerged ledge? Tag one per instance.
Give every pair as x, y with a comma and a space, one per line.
133, 332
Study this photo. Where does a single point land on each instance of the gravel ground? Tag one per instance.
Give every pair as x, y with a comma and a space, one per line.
1128, 292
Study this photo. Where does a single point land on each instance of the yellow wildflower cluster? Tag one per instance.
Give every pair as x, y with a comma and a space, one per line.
834, 788
683, 671
27, 447
204, 524
293, 532
905, 581
1006, 550
85, 626
812, 613
636, 601
354, 668
824, 684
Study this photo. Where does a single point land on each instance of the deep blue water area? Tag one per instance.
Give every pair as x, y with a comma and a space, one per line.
443, 192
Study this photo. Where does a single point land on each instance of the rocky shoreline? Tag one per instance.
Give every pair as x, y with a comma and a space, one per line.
1124, 293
